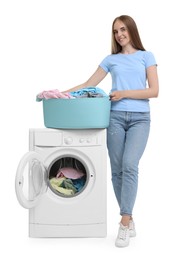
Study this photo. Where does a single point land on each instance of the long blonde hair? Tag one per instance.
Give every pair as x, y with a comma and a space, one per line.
133, 33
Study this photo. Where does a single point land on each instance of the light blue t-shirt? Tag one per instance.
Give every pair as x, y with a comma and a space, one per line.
128, 72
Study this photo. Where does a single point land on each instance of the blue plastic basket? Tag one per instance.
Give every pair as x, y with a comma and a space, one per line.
78, 113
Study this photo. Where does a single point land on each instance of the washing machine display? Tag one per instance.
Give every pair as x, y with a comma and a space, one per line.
62, 181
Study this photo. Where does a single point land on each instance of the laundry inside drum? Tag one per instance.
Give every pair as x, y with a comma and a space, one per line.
67, 177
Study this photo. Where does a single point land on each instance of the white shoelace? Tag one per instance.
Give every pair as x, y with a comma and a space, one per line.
122, 233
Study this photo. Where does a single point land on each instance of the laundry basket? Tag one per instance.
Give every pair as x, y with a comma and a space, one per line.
77, 113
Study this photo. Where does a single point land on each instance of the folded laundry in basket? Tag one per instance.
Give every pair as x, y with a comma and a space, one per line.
54, 93
89, 92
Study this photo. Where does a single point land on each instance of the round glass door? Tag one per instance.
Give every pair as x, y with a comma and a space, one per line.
30, 181
67, 177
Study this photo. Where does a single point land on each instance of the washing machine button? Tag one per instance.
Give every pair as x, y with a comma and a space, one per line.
89, 140
81, 140
68, 140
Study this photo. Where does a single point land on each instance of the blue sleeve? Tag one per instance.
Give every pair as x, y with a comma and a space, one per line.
149, 59
105, 64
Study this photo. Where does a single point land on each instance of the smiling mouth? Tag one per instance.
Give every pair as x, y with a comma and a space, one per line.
121, 39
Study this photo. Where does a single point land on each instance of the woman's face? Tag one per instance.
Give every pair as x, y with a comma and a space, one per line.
121, 33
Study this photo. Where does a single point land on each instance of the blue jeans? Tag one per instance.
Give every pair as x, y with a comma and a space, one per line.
127, 137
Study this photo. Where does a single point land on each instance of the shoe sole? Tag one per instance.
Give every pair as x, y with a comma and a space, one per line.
121, 246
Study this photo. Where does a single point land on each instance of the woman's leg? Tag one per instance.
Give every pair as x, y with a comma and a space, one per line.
115, 143
136, 140
127, 137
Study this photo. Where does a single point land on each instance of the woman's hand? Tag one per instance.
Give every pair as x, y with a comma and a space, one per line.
116, 95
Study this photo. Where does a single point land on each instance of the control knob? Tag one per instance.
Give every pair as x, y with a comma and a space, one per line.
68, 140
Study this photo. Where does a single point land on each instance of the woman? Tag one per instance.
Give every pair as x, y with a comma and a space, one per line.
131, 67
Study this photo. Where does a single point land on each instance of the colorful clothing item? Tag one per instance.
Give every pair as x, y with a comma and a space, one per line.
56, 185
55, 93
68, 181
70, 173
89, 92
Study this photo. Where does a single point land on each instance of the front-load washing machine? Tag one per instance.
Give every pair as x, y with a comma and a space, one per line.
62, 181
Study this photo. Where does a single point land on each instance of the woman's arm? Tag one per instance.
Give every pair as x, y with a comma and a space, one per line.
150, 92
94, 80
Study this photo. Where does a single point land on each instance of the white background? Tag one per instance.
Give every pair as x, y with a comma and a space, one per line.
47, 44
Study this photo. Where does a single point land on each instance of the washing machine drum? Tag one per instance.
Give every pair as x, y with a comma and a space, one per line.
67, 177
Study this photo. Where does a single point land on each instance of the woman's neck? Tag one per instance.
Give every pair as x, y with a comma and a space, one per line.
128, 50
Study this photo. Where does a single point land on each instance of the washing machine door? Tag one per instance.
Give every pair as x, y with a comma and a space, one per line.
30, 183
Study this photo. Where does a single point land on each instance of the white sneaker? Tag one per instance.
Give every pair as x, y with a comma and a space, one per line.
132, 230
123, 237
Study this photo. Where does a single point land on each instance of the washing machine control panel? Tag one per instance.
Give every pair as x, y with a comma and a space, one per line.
80, 140
58, 137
